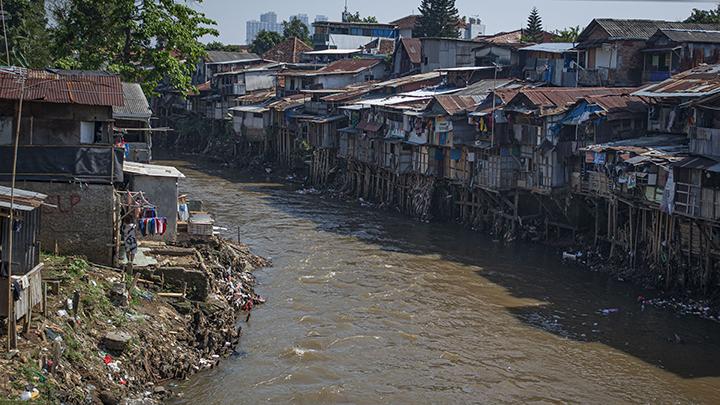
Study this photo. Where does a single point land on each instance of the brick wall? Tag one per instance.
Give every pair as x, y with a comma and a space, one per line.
82, 223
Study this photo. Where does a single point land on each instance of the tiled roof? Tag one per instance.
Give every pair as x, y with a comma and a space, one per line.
381, 46
618, 29
136, 104
288, 51
224, 56
406, 23
349, 66
62, 86
413, 47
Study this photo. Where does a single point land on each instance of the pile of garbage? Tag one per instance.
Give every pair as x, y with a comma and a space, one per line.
108, 336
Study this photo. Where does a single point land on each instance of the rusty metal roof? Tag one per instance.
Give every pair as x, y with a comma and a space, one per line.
698, 82
288, 51
349, 66
619, 102
63, 86
656, 149
552, 100
407, 22
458, 104
413, 47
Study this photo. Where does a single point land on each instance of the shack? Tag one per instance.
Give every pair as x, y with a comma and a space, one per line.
132, 124
26, 266
159, 184
66, 152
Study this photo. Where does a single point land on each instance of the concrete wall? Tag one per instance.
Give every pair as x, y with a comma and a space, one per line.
259, 80
163, 193
82, 224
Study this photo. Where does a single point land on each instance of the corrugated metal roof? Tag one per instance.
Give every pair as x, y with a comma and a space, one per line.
213, 57
408, 22
135, 103
62, 87
24, 200
484, 87
413, 47
619, 102
697, 82
658, 149
333, 52
553, 100
453, 104
550, 47
146, 169
349, 66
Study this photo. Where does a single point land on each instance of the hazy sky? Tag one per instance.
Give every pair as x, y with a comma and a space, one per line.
498, 15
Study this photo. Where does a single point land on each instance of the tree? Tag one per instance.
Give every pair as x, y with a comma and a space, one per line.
146, 41
704, 16
27, 34
356, 18
219, 46
264, 41
569, 34
534, 30
438, 18
296, 29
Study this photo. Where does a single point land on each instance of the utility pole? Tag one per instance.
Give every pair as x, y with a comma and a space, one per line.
11, 332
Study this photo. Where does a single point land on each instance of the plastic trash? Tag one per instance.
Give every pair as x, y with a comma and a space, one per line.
30, 394
608, 311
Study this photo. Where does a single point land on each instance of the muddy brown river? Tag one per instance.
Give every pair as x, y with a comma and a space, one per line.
367, 307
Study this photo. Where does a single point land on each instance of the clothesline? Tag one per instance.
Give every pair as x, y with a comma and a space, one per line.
135, 200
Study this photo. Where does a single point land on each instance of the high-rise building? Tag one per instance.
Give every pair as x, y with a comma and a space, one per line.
270, 17
268, 22
318, 17
302, 17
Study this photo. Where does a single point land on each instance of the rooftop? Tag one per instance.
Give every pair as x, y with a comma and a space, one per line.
621, 29
145, 169
23, 200
136, 104
690, 35
550, 47
288, 51
62, 86
697, 82
413, 47
219, 57
407, 22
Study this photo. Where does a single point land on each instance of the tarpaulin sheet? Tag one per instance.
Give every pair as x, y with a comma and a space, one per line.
89, 164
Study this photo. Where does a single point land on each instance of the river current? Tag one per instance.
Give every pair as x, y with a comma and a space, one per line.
368, 307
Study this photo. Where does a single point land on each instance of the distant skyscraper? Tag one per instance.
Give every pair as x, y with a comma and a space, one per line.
303, 18
268, 22
270, 17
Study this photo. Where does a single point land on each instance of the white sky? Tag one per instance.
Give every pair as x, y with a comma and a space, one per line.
499, 15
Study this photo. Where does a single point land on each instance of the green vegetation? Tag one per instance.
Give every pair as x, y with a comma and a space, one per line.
265, 41
534, 30
438, 18
356, 18
704, 16
569, 34
296, 29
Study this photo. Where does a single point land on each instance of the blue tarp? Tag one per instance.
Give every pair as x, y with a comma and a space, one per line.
455, 154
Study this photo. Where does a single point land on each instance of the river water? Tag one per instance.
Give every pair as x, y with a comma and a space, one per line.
367, 307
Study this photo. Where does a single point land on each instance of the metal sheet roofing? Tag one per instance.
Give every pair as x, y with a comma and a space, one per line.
62, 86
349, 66
146, 169
697, 82
219, 57
551, 100
24, 200
458, 104
413, 47
333, 52
135, 103
657, 149
550, 47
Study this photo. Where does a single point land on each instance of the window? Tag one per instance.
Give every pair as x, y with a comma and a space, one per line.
87, 132
6, 130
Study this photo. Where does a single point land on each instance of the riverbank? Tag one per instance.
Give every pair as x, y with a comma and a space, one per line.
576, 249
108, 337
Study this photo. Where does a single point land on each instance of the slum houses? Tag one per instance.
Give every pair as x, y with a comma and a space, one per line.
614, 137
83, 182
